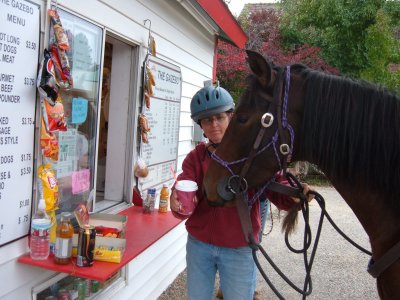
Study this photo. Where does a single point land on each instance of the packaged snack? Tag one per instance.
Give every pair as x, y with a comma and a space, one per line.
48, 143
108, 254
49, 186
145, 128
61, 67
145, 138
141, 169
153, 46
144, 123
61, 37
47, 83
147, 99
108, 231
54, 116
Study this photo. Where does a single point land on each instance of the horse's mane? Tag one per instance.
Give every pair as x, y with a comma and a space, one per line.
351, 129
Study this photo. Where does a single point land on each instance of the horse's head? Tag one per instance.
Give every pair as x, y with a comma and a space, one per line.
261, 106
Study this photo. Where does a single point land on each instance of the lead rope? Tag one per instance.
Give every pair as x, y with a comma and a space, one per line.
308, 262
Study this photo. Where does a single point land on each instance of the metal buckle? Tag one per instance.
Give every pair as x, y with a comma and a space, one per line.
236, 186
270, 121
284, 149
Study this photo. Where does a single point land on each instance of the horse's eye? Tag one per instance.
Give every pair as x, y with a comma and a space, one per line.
242, 119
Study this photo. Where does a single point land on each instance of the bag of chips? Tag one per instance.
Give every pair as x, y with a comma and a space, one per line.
47, 83
48, 143
61, 37
54, 116
61, 67
49, 186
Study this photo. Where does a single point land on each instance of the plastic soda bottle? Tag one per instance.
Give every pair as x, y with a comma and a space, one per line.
164, 195
40, 233
64, 234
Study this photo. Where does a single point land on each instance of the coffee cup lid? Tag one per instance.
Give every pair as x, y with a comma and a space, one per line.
186, 185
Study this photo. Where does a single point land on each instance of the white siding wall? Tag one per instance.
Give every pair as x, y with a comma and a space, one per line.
182, 41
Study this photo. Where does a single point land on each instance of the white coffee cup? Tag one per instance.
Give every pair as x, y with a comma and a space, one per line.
186, 192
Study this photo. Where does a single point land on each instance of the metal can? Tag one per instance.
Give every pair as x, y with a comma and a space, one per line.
86, 241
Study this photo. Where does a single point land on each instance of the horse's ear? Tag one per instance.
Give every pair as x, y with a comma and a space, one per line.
260, 67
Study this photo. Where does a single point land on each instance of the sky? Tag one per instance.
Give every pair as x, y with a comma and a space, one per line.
236, 6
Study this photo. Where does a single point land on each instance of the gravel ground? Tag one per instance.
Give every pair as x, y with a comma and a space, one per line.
339, 270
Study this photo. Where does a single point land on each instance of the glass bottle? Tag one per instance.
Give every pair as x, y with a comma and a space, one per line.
65, 232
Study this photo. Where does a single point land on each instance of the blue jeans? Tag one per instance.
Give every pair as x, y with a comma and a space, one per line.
236, 268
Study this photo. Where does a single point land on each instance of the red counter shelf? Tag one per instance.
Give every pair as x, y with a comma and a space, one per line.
142, 230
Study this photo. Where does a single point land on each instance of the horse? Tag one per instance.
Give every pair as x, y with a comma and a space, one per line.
349, 128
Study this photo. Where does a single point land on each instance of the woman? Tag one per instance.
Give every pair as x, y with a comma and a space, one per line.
215, 239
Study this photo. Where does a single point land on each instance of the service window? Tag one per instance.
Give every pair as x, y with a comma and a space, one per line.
91, 166
72, 121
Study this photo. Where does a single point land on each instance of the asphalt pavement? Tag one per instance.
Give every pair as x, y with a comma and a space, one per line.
338, 271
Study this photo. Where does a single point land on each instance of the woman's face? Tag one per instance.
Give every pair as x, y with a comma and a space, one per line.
214, 127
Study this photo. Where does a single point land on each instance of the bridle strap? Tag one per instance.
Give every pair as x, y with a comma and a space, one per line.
253, 152
279, 121
284, 189
376, 268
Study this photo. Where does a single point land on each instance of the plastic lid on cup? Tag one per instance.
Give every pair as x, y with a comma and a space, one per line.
186, 185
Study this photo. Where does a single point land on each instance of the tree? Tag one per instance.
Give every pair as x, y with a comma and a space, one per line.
382, 49
348, 33
265, 36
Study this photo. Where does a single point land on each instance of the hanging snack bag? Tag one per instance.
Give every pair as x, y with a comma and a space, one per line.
61, 67
48, 143
47, 83
49, 186
61, 37
54, 116
141, 169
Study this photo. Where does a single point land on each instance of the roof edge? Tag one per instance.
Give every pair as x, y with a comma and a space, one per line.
222, 16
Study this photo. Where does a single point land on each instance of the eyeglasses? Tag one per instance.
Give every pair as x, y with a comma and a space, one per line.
219, 119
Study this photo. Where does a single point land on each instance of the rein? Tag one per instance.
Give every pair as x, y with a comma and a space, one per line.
235, 187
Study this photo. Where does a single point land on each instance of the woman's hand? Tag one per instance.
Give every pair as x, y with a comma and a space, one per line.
306, 189
174, 203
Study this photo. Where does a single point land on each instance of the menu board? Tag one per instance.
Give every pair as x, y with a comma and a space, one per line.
160, 154
19, 50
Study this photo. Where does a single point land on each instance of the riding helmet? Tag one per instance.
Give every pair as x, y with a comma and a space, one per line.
209, 101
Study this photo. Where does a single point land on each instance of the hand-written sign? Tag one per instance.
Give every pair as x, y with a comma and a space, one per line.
79, 110
80, 181
163, 116
19, 54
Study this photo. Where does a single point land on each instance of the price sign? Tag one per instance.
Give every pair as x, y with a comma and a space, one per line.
162, 150
19, 53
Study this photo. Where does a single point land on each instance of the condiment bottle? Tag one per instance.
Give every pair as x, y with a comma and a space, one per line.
65, 232
164, 195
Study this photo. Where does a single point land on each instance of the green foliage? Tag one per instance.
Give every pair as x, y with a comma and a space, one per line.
382, 49
359, 37
392, 9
